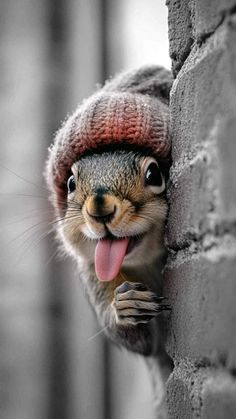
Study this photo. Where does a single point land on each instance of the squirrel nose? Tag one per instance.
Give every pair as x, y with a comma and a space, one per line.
101, 208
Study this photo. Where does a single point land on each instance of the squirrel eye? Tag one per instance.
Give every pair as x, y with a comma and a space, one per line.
71, 184
153, 177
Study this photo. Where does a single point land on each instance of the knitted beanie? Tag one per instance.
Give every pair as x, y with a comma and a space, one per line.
132, 109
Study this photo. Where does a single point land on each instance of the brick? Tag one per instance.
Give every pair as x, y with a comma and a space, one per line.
193, 21
206, 16
201, 290
184, 390
192, 199
203, 393
204, 93
227, 160
178, 401
195, 99
202, 190
180, 32
219, 397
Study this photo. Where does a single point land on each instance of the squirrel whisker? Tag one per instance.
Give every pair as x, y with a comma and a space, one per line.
98, 333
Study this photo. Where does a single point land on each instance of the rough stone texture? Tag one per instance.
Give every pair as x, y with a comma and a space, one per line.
219, 396
191, 22
200, 276
203, 299
198, 392
180, 32
207, 15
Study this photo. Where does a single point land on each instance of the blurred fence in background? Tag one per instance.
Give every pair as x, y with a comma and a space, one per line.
52, 54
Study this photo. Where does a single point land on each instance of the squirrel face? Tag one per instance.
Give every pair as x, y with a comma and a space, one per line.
115, 204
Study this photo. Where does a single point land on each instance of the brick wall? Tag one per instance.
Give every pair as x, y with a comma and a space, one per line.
200, 277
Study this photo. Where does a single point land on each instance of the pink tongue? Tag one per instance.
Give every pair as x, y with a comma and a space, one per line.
109, 255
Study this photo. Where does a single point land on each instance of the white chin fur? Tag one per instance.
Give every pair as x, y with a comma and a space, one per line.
90, 233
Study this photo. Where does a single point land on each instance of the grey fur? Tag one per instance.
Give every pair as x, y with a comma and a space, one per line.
149, 80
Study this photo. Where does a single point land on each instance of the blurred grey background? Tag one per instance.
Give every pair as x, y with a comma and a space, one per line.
52, 54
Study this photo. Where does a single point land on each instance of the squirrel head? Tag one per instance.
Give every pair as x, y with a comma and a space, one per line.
111, 201
130, 110
115, 198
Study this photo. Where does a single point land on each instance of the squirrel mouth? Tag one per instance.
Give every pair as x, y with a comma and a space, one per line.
110, 253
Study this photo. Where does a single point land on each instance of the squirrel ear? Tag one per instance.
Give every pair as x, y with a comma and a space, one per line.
149, 80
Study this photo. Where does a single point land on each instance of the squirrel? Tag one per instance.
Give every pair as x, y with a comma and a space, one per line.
107, 172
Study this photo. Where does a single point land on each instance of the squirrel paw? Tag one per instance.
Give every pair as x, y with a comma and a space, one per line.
134, 303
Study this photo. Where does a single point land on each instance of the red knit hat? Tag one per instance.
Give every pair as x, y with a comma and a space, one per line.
132, 109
